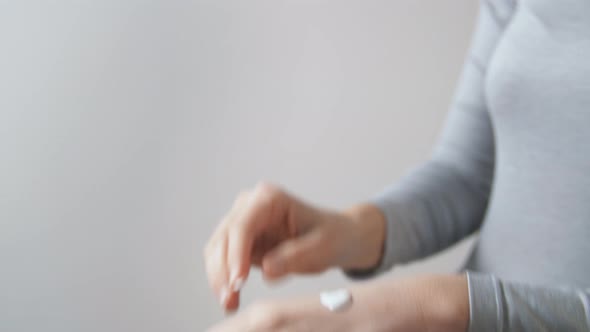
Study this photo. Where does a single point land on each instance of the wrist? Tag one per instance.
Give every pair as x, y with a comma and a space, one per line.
365, 237
446, 307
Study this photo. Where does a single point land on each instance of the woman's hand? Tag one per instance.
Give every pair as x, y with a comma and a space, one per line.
269, 228
432, 303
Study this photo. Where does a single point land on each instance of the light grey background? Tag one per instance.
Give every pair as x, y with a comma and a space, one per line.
126, 128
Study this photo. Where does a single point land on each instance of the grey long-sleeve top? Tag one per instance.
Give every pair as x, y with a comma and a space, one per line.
513, 161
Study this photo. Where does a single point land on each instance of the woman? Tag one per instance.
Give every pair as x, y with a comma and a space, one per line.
512, 162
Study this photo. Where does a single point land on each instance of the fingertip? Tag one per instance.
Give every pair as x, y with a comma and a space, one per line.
271, 273
273, 265
224, 296
232, 303
238, 257
273, 280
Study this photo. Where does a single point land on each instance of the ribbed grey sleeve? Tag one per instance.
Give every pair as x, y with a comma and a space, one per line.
445, 199
502, 306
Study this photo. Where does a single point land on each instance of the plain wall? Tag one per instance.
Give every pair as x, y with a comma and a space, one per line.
127, 128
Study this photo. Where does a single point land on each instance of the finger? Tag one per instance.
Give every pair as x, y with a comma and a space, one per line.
233, 301
215, 254
300, 255
216, 267
235, 280
257, 211
234, 283
239, 257
222, 226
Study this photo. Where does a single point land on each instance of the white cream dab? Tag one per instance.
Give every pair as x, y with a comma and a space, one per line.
336, 300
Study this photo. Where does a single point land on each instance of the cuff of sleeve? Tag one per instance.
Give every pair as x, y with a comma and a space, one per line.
485, 303
399, 246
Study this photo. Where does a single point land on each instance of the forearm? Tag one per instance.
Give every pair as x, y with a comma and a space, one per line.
497, 305
426, 303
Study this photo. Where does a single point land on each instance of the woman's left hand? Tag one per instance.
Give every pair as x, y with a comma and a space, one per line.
430, 303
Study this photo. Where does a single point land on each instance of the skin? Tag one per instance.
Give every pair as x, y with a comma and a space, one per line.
270, 229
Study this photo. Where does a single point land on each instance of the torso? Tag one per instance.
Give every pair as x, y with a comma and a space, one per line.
538, 94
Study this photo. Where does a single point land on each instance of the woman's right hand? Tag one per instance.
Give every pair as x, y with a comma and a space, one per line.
269, 228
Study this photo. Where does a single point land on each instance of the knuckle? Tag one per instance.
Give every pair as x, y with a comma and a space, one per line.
241, 197
295, 251
240, 230
324, 236
224, 220
266, 196
238, 225
315, 267
326, 243
208, 248
306, 265
266, 190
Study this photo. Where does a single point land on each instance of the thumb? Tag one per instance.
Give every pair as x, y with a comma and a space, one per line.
305, 254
